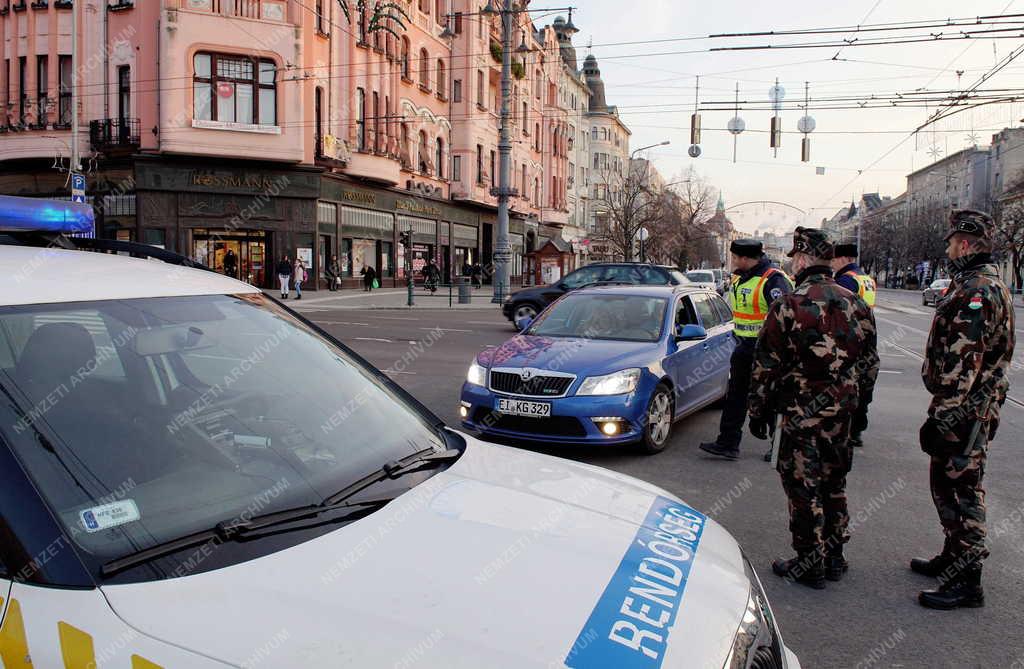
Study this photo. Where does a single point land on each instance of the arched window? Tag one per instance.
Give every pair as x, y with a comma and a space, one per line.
361, 22
439, 158
405, 58
536, 136
405, 151
442, 84
537, 85
424, 154
424, 68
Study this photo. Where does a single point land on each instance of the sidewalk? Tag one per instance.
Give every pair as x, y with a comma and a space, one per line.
387, 298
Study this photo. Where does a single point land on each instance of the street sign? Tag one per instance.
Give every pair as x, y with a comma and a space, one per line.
77, 187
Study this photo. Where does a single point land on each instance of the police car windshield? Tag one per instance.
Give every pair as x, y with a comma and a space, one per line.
167, 416
616, 317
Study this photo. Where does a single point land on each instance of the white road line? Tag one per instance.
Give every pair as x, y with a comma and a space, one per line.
383, 341
450, 330
888, 371
480, 323
392, 371
901, 325
893, 355
343, 323
395, 318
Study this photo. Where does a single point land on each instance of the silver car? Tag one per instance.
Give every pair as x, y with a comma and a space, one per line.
935, 292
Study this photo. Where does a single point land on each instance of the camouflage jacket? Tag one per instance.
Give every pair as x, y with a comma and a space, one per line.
970, 346
816, 359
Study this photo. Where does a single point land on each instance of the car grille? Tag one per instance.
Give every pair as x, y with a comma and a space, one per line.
538, 386
553, 426
765, 658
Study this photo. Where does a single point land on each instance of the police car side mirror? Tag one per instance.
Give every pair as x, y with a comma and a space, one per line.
691, 333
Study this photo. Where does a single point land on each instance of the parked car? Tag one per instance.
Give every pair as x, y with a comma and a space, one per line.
529, 302
705, 278
605, 365
935, 292
193, 475
722, 279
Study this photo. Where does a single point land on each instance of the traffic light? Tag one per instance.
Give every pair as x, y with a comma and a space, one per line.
405, 238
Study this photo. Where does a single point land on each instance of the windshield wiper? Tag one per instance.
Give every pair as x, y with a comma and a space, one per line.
238, 529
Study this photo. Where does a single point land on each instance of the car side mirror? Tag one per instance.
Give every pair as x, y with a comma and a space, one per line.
524, 323
691, 333
561, 285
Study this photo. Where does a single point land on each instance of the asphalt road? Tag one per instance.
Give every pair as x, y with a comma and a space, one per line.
871, 618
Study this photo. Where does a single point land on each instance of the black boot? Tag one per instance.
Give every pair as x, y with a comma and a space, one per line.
962, 590
936, 565
836, 565
714, 448
805, 569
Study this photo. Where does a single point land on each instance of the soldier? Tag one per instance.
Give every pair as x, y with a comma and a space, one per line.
816, 362
969, 352
851, 277
755, 285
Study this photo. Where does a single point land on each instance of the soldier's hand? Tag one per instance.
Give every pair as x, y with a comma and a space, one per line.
759, 427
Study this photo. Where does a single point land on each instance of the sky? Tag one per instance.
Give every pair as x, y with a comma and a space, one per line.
653, 85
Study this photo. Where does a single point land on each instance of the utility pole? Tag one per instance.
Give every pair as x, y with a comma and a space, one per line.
76, 163
504, 191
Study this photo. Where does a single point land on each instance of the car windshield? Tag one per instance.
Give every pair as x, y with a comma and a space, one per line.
589, 316
145, 420
701, 277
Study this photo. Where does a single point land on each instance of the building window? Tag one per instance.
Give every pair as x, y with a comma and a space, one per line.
360, 119
42, 79
494, 165
321, 20
442, 84
439, 12
424, 154
424, 6
439, 158
361, 22
536, 189
457, 90
456, 168
537, 85
64, 108
424, 69
526, 128
376, 121
405, 58
458, 23
124, 93
480, 100
318, 120
234, 89
525, 193
480, 164
22, 89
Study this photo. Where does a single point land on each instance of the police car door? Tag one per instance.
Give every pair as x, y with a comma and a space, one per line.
714, 357
683, 358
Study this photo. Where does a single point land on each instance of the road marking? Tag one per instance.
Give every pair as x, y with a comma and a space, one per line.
344, 323
893, 355
383, 341
482, 323
902, 326
449, 330
359, 296
888, 371
395, 318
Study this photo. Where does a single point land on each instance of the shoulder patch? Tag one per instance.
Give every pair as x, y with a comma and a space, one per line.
975, 303
776, 293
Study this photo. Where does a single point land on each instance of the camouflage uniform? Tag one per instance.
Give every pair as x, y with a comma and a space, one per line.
816, 362
968, 355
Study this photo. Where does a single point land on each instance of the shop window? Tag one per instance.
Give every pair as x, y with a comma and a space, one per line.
457, 168
234, 89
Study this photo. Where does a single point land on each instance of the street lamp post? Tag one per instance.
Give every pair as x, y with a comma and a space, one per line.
644, 148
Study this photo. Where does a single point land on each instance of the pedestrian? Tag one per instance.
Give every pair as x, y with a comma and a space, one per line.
756, 284
231, 264
816, 362
850, 276
333, 273
284, 275
967, 358
431, 276
369, 276
478, 274
298, 276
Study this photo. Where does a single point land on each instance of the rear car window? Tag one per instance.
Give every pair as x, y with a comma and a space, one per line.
724, 312
708, 315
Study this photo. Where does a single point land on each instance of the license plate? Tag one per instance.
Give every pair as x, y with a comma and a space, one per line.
524, 408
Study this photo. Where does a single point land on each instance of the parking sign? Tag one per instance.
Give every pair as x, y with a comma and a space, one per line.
77, 187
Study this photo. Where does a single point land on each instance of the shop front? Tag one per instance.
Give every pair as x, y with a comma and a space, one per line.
237, 219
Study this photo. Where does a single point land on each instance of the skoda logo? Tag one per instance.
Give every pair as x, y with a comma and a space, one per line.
526, 374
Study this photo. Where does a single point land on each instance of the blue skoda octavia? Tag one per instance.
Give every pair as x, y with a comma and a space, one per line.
604, 365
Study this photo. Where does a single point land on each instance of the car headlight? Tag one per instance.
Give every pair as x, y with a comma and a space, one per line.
617, 383
476, 375
757, 643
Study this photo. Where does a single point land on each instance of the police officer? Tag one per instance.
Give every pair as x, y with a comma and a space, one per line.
851, 277
965, 369
816, 361
755, 285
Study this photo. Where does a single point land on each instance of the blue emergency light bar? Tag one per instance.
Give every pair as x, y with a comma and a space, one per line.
27, 214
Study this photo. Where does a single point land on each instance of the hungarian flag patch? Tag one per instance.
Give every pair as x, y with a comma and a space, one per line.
975, 302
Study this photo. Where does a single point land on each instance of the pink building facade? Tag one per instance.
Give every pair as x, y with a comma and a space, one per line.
278, 127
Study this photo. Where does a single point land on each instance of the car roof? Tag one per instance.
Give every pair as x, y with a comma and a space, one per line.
49, 275
640, 290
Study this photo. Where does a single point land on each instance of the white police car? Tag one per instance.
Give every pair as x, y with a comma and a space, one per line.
191, 475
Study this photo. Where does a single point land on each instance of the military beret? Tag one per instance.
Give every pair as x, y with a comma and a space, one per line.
813, 242
970, 222
747, 248
846, 250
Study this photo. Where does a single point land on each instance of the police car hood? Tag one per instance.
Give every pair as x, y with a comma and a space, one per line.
507, 559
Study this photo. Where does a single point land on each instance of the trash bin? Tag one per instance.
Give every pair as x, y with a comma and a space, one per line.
465, 290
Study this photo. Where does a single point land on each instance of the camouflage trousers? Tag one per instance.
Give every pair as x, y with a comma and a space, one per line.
956, 484
813, 472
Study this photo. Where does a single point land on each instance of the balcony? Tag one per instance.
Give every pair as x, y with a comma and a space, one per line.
373, 167
260, 10
114, 135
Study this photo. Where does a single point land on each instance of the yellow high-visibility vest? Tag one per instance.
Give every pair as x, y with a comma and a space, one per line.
748, 305
866, 287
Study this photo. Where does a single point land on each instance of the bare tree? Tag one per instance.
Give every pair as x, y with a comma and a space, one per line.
628, 203
684, 232
1009, 230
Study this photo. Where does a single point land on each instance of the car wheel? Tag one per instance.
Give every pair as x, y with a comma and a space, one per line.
522, 311
658, 425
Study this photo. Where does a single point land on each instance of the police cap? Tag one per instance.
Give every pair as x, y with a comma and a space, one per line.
846, 250
813, 242
747, 248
